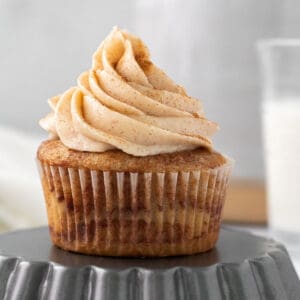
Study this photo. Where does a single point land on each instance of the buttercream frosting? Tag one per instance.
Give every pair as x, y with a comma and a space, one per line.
126, 102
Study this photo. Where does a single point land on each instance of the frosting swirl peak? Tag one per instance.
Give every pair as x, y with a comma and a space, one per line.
124, 101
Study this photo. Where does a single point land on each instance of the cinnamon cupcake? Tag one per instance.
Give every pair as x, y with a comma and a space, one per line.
130, 169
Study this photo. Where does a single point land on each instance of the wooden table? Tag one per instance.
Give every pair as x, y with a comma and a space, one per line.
246, 202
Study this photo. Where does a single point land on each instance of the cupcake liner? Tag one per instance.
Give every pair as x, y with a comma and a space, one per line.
134, 214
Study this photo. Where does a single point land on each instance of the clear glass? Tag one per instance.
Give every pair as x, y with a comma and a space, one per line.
280, 65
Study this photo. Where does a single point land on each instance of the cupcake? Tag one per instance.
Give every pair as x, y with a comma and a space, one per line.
129, 168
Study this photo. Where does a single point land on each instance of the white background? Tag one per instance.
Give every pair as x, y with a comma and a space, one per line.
207, 46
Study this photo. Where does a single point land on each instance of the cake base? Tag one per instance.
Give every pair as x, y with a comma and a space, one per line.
241, 266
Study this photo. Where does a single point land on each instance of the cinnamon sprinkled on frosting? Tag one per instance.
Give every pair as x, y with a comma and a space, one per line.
124, 101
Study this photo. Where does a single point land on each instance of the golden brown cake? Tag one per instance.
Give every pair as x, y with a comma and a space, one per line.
130, 168
113, 203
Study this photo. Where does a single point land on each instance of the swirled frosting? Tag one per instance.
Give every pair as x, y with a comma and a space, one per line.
124, 101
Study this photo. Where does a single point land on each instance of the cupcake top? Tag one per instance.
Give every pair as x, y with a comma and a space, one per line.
125, 102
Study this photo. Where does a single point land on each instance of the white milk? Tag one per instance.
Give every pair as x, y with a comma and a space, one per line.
281, 125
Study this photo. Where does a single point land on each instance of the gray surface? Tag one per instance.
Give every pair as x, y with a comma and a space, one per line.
291, 240
242, 266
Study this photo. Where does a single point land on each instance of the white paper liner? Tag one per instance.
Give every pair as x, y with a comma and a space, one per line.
134, 214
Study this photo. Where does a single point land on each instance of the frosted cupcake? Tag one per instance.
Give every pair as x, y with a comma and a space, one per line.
130, 169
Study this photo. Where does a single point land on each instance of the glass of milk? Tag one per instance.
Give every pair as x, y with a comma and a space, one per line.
280, 64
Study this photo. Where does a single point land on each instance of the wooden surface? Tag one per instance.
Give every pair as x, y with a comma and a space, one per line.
246, 203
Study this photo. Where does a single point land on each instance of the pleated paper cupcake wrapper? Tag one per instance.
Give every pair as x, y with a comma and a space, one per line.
134, 214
